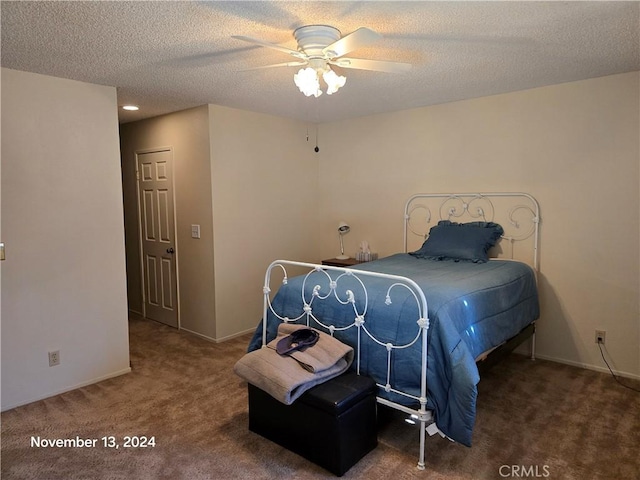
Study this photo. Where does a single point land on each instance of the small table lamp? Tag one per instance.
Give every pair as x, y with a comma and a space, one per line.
343, 229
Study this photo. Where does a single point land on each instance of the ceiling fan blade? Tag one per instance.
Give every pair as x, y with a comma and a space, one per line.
375, 65
360, 38
285, 64
294, 53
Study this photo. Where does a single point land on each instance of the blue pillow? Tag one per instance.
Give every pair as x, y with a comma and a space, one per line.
469, 242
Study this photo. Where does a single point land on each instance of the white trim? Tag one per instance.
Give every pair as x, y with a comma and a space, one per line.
71, 388
175, 236
139, 227
218, 340
588, 366
205, 337
235, 335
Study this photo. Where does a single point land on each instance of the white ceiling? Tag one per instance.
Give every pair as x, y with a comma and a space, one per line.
168, 56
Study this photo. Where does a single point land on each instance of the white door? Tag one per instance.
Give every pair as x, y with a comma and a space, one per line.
157, 235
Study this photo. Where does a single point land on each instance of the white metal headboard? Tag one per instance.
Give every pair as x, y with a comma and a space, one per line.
517, 213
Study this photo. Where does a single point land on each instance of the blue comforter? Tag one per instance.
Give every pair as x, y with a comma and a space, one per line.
472, 307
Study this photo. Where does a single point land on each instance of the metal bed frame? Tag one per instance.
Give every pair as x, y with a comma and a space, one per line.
520, 221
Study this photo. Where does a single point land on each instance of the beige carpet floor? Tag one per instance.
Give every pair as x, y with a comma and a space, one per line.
535, 420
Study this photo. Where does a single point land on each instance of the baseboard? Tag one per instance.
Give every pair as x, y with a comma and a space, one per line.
69, 389
205, 337
236, 335
218, 340
588, 366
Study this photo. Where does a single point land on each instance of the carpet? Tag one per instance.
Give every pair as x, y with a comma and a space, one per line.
536, 419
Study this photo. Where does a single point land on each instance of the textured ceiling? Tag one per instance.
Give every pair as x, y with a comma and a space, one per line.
168, 56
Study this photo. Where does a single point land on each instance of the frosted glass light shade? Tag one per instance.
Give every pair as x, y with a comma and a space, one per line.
307, 81
333, 81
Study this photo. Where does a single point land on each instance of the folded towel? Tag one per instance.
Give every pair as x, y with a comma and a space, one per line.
286, 377
311, 358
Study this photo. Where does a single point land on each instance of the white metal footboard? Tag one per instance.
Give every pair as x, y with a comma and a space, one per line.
358, 301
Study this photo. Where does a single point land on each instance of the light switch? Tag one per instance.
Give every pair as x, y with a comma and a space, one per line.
195, 231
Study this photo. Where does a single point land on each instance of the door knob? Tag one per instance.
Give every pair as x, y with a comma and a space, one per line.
170, 250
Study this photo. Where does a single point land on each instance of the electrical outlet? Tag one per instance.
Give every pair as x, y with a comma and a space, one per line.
600, 336
54, 358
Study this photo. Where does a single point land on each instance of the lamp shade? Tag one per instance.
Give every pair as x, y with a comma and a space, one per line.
333, 81
308, 79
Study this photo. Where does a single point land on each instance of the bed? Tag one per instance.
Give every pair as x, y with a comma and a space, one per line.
423, 321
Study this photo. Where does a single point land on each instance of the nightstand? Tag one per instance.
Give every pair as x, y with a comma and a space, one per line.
336, 262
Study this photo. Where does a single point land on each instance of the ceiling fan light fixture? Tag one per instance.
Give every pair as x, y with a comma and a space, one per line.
333, 80
322, 45
307, 81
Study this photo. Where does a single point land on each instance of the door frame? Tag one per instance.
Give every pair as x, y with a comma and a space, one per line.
175, 228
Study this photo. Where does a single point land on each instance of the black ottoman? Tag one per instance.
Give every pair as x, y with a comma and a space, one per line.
333, 424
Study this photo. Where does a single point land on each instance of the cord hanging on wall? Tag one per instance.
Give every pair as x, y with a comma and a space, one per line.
316, 148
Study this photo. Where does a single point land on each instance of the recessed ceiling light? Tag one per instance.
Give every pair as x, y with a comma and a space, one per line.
130, 107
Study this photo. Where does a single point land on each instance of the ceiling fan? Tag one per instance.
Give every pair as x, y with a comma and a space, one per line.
319, 47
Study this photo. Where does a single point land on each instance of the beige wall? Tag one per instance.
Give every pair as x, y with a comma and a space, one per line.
187, 134
236, 174
552, 142
259, 192
265, 190
574, 146
63, 282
